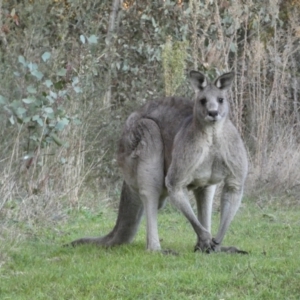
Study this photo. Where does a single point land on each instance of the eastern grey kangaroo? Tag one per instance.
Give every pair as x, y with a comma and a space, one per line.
173, 145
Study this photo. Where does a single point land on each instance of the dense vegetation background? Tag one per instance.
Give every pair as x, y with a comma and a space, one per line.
72, 70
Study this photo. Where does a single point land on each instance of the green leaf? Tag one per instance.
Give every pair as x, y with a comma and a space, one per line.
29, 100
77, 89
31, 89
50, 99
93, 39
82, 38
62, 93
26, 120
2, 100
48, 110
22, 60
154, 23
61, 124
233, 47
37, 74
46, 56
53, 95
12, 120
48, 83
40, 122
187, 11
63, 160
51, 116
32, 67
21, 110
145, 17
61, 72
75, 80
35, 117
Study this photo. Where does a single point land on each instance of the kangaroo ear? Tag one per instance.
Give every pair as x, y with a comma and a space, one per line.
224, 81
198, 80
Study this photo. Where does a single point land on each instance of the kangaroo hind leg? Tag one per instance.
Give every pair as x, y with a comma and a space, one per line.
150, 177
204, 200
230, 202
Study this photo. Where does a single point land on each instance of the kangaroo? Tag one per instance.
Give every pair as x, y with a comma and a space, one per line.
173, 145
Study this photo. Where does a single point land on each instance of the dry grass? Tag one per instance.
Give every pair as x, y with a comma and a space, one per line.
279, 172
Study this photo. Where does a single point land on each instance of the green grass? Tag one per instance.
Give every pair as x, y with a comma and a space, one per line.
39, 268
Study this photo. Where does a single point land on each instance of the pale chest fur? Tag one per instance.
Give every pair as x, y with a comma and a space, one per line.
211, 170
208, 167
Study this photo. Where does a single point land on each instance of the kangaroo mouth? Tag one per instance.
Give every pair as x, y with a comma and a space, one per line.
213, 119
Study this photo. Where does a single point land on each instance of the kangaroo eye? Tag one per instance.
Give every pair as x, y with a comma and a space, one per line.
203, 101
220, 100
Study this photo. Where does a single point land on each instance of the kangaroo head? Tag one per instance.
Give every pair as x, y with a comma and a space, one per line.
211, 105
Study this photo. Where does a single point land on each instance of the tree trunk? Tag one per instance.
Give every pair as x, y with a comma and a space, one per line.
109, 42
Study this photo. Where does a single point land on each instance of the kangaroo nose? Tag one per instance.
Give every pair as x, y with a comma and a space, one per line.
213, 113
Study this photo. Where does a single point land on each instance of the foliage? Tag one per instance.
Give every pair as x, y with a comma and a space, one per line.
41, 107
174, 62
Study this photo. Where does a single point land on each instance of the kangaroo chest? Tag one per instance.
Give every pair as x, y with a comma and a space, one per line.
209, 170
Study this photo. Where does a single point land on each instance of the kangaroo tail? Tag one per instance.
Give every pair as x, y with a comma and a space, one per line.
129, 216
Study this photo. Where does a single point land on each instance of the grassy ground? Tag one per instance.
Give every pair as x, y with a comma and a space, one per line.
39, 268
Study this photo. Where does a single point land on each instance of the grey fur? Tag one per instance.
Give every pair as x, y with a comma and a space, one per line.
173, 145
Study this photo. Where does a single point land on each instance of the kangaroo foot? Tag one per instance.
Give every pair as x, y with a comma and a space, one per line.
169, 252
207, 246
232, 249
215, 248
